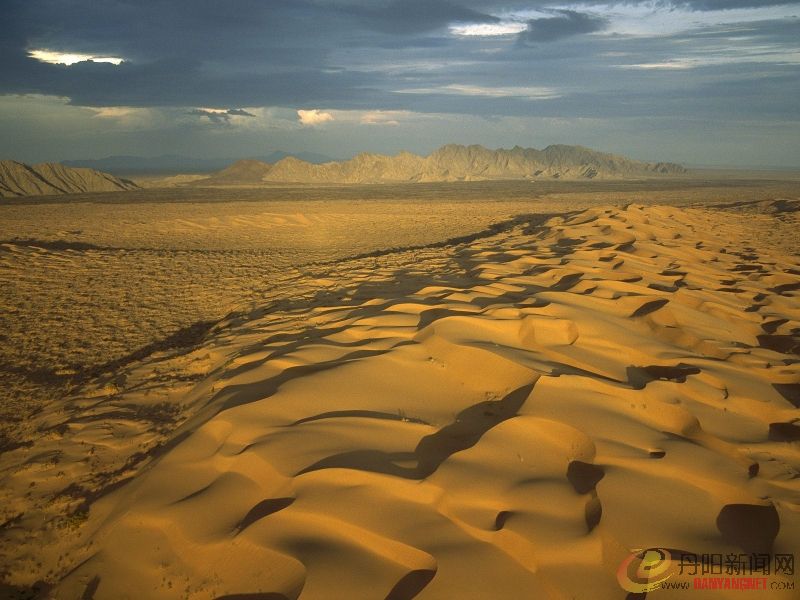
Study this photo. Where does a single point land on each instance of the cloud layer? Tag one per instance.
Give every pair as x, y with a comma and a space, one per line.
200, 68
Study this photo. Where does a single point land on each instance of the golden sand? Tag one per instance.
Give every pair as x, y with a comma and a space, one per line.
503, 417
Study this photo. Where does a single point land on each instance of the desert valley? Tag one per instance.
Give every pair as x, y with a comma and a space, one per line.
232, 387
400, 300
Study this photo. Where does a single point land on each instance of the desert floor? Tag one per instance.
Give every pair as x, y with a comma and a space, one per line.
425, 391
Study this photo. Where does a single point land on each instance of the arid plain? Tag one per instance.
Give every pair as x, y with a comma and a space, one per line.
443, 390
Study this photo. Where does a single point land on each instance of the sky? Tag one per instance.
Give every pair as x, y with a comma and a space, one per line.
701, 82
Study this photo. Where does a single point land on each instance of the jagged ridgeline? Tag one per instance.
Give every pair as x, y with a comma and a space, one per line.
449, 163
19, 179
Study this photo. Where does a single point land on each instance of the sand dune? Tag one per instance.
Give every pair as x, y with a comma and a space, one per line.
504, 418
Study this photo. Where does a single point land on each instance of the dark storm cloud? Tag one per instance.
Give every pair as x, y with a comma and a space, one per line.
239, 112
241, 29
706, 5
564, 23
181, 82
492, 6
401, 55
214, 117
220, 117
243, 52
414, 16
707, 71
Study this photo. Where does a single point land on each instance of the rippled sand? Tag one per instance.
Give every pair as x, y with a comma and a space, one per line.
507, 415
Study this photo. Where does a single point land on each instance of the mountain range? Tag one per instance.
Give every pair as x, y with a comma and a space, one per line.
173, 163
19, 179
449, 163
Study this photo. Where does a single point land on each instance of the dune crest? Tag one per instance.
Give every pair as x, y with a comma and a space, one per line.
504, 418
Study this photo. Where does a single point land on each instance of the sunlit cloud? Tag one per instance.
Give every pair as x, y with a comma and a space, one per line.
488, 29
762, 55
528, 93
67, 58
114, 112
666, 65
383, 117
388, 118
131, 117
417, 66
314, 117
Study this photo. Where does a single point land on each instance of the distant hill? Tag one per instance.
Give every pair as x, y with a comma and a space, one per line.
173, 163
19, 179
448, 163
310, 157
245, 172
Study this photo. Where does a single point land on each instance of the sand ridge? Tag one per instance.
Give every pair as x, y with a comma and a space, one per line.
86, 287
506, 418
